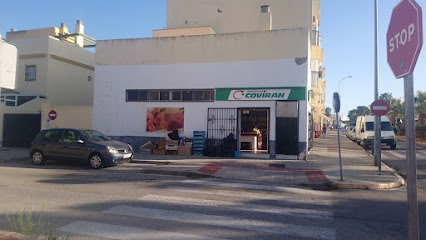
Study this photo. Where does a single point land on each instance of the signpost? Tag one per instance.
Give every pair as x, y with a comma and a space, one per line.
379, 108
336, 106
404, 41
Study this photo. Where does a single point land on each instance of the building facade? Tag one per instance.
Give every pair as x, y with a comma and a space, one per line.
231, 69
54, 74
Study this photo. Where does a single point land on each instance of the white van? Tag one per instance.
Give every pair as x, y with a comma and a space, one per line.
364, 131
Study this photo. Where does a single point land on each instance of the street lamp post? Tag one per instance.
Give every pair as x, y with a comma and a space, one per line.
338, 91
341, 82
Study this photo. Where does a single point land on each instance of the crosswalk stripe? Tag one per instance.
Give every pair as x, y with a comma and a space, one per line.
401, 154
288, 198
396, 154
258, 187
220, 221
110, 231
225, 205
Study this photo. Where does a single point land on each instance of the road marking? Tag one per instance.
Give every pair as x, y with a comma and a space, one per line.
396, 154
259, 187
110, 231
288, 198
229, 206
220, 221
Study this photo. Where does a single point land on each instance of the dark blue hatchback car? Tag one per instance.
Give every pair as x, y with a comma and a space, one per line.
78, 144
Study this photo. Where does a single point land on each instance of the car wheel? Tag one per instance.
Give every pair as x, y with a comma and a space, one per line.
37, 158
96, 161
393, 146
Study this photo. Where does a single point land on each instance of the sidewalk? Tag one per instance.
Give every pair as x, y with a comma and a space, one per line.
358, 170
320, 171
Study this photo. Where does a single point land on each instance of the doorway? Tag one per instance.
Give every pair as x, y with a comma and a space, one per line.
254, 129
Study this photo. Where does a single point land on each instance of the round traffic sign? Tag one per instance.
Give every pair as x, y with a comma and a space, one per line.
379, 107
52, 115
404, 38
336, 102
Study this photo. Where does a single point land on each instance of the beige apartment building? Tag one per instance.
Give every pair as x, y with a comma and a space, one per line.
54, 83
242, 76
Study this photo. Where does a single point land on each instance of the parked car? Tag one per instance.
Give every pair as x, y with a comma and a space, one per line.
78, 144
350, 133
364, 131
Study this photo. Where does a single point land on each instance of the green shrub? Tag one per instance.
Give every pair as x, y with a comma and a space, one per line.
24, 222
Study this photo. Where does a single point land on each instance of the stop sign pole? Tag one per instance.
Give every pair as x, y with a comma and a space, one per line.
404, 41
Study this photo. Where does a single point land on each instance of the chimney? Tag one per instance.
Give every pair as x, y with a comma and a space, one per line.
265, 17
64, 29
79, 30
79, 27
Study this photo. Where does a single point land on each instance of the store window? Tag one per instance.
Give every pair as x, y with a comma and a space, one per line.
166, 95
30, 72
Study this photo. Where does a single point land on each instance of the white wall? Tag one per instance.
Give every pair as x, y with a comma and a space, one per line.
116, 117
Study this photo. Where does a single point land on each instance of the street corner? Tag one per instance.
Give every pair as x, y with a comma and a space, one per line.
268, 173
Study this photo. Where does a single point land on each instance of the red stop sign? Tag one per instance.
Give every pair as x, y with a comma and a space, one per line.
52, 115
379, 107
404, 37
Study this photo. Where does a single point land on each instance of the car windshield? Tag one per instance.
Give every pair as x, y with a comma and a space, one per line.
96, 136
385, 126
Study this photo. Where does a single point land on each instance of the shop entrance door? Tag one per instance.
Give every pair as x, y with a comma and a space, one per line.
287, 127
254, 129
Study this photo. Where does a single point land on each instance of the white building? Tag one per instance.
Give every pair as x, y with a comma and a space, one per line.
54, 73
222, 67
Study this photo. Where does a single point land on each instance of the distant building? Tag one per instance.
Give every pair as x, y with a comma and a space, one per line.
247, 69
54, 72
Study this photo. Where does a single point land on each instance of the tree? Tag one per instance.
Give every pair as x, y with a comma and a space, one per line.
419, 102
362, 110
396, 107
328, 111
352, 116
420, 106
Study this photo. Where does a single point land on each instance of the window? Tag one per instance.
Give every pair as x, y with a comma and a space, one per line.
52, 136
30, 73
187, 96
176, 95
154, 95
131, 95
165, 95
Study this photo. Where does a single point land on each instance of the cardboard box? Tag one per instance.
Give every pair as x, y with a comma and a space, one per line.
147, 147
159, 151
184, 150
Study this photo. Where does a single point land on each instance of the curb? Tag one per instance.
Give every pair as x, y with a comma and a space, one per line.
374, 186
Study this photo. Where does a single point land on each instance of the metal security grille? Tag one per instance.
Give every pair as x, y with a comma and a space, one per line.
222, 125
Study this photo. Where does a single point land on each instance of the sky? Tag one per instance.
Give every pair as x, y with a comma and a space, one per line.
346, 29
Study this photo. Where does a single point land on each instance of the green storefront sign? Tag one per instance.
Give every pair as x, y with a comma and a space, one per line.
260, 94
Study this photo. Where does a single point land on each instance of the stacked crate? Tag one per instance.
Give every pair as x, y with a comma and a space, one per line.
199, 143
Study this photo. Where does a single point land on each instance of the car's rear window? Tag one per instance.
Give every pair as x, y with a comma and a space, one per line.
51, 135
93, 135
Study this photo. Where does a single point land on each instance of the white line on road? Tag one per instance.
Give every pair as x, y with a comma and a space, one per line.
109, 231
229, 206
229, 222
287, 198
259, 187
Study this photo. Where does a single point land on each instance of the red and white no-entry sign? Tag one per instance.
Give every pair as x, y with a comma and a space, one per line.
52, 115
404, 37
379, 107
